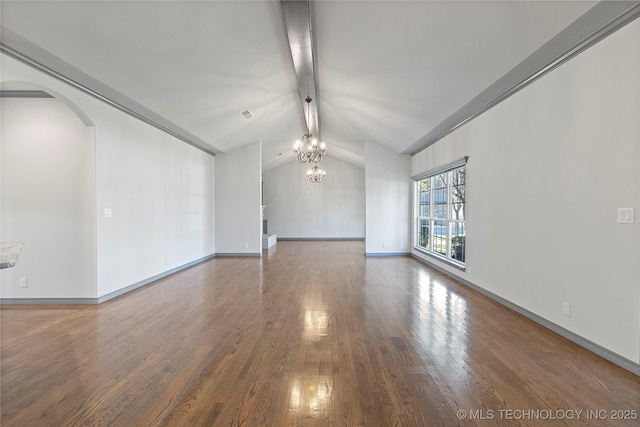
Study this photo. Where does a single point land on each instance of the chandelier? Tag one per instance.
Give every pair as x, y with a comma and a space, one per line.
316, 175
307, 148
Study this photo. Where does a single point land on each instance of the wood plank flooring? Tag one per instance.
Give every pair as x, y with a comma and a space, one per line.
312, 334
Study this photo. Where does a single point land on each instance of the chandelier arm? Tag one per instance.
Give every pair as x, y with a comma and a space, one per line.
315, 156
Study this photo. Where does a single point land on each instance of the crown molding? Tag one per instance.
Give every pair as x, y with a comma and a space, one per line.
29, 53
600, 21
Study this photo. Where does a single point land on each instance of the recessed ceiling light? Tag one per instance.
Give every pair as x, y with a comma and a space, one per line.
247, 114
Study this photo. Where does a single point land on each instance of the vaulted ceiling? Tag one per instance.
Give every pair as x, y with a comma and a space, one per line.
388, 72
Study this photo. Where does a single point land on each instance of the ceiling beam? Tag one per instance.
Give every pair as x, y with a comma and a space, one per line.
298, 22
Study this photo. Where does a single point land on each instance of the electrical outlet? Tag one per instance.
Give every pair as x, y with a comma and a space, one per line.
107, 213
246, 246
566, 309
384, 245
23, 282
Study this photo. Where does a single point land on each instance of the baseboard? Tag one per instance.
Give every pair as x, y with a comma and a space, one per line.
387, 254
48, 301
603, 352
107, 297
304, 239
246, 254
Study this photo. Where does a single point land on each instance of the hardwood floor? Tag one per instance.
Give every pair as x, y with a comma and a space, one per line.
313, 333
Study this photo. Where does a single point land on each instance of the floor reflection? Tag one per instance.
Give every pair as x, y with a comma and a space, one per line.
270, 252
311, 395
440, 322
316, 324
311, 386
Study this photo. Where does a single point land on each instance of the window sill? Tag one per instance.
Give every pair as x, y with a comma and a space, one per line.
447, 261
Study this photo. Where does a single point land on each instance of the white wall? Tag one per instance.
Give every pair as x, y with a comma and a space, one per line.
548, 169
48, 199
238, 204
161, 194
296, 208
160, 191
388, 200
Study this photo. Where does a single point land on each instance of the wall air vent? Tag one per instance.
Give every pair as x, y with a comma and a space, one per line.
247, 114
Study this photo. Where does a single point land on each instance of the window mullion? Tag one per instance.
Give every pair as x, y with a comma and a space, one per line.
449, 209
431, 225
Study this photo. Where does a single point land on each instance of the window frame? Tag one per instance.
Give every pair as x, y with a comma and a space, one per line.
449, 222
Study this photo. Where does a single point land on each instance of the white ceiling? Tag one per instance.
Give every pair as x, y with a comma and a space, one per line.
387, 71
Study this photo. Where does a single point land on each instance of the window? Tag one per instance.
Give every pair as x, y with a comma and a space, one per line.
441, 214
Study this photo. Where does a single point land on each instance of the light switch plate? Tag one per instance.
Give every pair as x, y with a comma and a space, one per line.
626, 216
566, 309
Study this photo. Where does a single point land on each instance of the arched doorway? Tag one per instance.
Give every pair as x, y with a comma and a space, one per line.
48, 194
